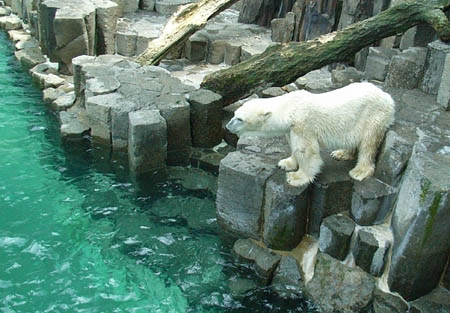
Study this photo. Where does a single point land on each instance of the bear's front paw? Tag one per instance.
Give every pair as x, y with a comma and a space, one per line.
288, 164
361, 172
297, 179
342, 155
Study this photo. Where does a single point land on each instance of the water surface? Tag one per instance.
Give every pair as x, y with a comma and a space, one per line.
76, 235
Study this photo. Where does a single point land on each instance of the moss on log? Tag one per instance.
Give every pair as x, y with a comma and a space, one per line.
283, 64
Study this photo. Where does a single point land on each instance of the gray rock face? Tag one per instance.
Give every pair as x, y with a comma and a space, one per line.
206, 118
370, 251
175, 110
406, 69
371, 201
422, 209
377, 63
285, 213
68, 31
287, 278
147, 141
120, 124
272, 92
318, 19
438, 301
107, 13
434, 66
240, 193
10, 22
64, 101
335, 234
315, 81
394, 154
264, 260
388, 303
71, 127
216, 54
336, 287
148, 5
344, 77
443, 97
30, 57
417, 36
283, 28
232, 52
331, 193
195, 48
168, 7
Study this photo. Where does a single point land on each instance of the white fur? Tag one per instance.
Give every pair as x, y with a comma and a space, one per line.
353, 118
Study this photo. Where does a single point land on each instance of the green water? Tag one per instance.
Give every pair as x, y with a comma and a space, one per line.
76, 235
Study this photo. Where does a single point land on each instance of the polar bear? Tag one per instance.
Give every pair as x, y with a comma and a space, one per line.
349, 119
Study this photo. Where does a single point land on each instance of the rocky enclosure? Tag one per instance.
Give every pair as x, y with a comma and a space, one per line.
347, 244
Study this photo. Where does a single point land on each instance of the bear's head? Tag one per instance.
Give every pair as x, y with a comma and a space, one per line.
255, 117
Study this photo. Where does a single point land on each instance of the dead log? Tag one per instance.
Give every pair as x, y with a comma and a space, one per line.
181, 25
284, 63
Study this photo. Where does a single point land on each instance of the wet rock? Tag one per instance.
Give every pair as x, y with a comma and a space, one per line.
10, 22
331, 193
285, 213
346, 76
336, 287
206, 118
209, 159
69, 30
443, 97
240, 193
315, 81
434, 66
377, 63
216, 54
264, 260
51, 94
422, 209
98, 110
287, 278
147, 141
438, 301
64, 101
371, 201
107, 13
370, 251
388, 303
335, 234
40, 71
394, 154
283, 28
232, 52
195, 48
406, 68
31, 57
148, 5
272, 92
176, 111
71, 127
120, 124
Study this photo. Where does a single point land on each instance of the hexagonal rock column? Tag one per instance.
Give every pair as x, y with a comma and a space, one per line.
147, 141
240, 193
67, 30
337, 287
287, 278
371, 201
331, 192
378, 61
335, 234
264, 260
420, 225
206, 118
434, 66
107, 13
285, 213
443, 97
370, 251
406, 68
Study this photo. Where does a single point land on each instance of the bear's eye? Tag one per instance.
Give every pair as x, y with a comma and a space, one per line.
239, 119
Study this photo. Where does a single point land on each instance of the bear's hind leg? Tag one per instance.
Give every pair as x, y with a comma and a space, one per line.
367, 151
343, 155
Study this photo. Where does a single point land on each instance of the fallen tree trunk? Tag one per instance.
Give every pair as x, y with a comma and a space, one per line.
283, 64
181, 25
